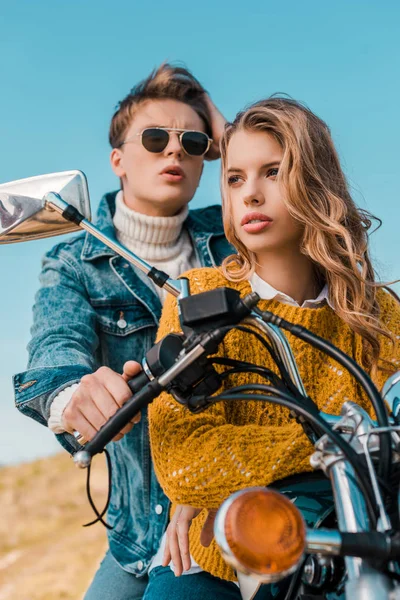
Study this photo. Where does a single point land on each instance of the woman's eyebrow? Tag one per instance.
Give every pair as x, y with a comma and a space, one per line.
234, 170
267, 165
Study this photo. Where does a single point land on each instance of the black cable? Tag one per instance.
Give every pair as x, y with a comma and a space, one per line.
267, 345
347, 450
240, 366
392, 574
269, 389
295, 581
223, 331
350, 365
385, 486
235, 371
282, 369
325, 347
278, 383
96, 512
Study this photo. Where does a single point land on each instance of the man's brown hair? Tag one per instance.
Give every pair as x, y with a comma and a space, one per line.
166, 82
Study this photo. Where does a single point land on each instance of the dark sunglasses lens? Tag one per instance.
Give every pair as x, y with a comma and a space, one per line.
155, 140
194, 143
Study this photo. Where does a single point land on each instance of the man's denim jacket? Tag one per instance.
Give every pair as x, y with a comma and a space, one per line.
93, 309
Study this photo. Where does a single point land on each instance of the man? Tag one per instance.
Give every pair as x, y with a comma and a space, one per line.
94, 311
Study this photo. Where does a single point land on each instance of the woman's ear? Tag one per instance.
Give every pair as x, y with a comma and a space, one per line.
116, 161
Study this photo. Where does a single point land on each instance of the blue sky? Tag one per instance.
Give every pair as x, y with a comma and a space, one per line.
65, 65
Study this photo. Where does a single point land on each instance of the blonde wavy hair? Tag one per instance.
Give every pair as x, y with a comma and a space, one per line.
316, 194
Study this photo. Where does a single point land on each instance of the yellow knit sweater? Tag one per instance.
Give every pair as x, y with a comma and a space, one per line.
201, 459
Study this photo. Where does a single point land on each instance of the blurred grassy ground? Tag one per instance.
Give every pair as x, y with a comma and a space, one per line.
45, 553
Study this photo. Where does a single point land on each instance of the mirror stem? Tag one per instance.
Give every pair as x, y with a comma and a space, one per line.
177, 287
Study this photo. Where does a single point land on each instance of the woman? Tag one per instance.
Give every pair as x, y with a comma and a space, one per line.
302, 244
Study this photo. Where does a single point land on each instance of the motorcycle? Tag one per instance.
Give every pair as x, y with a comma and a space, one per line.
332, 534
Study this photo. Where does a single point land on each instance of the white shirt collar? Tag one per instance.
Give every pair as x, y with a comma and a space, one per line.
268, 292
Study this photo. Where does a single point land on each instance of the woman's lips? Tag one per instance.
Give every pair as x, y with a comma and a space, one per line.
254, 222
256, 227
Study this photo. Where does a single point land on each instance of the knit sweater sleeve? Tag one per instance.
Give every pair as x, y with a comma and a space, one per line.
201, 459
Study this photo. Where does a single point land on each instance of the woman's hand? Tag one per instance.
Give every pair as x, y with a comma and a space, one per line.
177, 541
217, 127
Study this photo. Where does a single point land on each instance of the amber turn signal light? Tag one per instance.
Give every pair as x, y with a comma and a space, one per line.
260, 531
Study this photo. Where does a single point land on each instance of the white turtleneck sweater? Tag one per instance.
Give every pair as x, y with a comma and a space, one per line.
163, 243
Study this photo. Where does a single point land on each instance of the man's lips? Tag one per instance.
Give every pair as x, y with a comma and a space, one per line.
254, 222
173, 173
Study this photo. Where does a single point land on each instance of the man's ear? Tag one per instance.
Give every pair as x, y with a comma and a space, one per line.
117, 162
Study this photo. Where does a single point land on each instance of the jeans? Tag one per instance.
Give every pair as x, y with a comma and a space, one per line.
111, 582
163, 585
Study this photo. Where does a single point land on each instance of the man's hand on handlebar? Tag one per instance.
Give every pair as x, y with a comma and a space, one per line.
98, 398
131, 369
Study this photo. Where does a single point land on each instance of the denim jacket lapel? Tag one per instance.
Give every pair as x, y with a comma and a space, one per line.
92, 247
138, 284
201, 231
199, 226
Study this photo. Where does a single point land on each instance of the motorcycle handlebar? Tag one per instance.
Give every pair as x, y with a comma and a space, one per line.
365, 544
144, 392
137, 383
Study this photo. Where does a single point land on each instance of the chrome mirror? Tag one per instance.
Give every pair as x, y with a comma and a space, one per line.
391, 393
40, 207
23, 215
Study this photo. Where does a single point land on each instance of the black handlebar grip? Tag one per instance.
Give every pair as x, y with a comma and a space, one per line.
147, 391
395, 546
138, 382
366, 544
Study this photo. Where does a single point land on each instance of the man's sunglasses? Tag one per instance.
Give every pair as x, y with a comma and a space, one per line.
156, 139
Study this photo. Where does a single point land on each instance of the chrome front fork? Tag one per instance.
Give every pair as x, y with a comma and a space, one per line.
363, 582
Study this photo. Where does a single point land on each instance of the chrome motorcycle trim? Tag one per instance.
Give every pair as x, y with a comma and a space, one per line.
391, 393
335, 420
363, 423
350, 505
146, 369
177, 288
320, 570
184, 288
351, 510
180, 365
280, 345
384, 523
82, 459
371, 586
323, 541
332, 420
354, 424
23, 215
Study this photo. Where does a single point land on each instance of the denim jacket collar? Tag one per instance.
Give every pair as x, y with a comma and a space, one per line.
94, 248
199, 228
